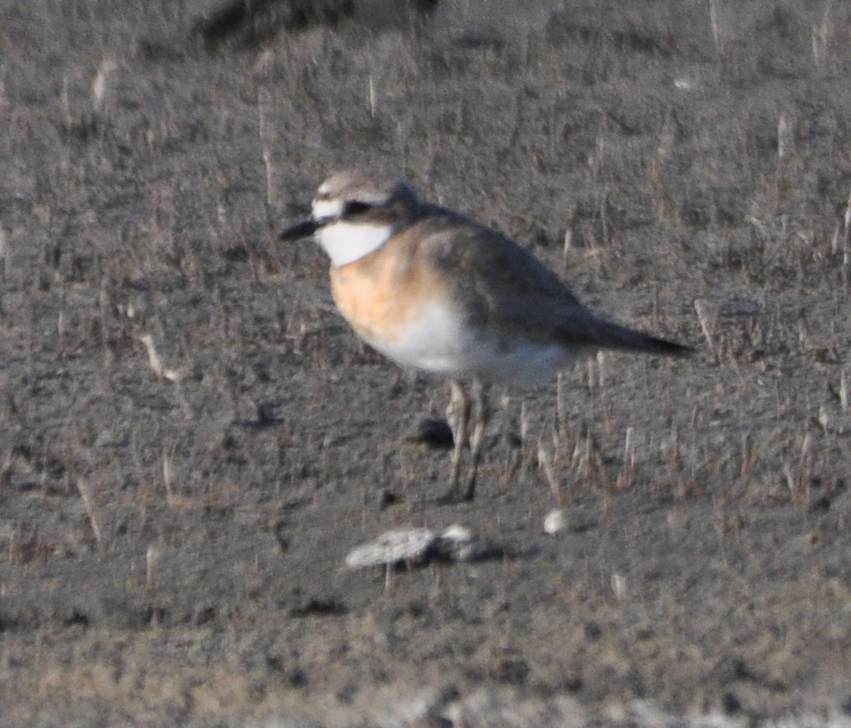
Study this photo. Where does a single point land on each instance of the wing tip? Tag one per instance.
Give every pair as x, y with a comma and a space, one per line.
666, 347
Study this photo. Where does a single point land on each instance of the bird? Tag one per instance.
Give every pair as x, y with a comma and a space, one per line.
434, 290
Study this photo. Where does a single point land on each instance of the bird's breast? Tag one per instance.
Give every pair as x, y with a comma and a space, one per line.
401, 308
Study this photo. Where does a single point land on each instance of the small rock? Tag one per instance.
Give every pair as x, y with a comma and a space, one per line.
456, 543
404, 544
422, 545
456, 533
554, 521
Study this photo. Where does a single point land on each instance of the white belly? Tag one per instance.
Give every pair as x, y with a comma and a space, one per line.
440, 341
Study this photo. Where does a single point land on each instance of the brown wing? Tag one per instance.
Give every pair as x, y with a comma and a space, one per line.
499, 281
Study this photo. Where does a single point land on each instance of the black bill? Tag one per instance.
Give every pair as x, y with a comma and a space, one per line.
300, 230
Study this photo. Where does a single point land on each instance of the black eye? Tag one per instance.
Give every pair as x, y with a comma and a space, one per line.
353, 208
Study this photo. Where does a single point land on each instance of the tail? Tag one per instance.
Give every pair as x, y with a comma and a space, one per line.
607, 335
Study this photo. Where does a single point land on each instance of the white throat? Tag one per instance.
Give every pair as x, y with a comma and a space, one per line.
346, 242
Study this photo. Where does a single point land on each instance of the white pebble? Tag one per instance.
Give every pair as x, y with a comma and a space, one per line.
404, 544
456, 533
456, 543
554, 521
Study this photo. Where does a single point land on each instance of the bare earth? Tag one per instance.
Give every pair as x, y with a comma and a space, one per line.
191, 439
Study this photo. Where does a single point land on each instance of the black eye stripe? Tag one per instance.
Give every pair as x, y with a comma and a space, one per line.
353, 207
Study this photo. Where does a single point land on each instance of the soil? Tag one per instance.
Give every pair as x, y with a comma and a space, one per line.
192, 440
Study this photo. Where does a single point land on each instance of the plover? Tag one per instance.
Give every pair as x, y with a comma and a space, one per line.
434, 290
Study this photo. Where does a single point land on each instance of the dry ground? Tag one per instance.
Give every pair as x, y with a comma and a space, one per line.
173, 534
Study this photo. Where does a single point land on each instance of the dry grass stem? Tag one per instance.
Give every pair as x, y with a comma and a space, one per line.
99, 83
156, 363
371, 97
785, 136
152, 555
524, 424
5, 268
89, 505
706, 326
561, 405
747, 454
268, 167
628, 470
154, 360
823, 418
601, 368
846, 240
805, 468
716, 27
821, 37
545, 463
619, 587
168, 474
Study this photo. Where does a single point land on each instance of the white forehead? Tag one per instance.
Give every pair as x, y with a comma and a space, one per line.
356, 185
333, 194
368, 195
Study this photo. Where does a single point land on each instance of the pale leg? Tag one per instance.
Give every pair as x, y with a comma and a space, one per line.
480, 416
458, 417
467, 415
